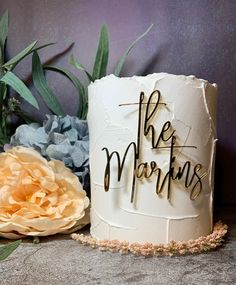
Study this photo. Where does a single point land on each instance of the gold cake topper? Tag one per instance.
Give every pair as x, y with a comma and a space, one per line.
146, 170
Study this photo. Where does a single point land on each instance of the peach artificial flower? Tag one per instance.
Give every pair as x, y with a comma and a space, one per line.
37, 197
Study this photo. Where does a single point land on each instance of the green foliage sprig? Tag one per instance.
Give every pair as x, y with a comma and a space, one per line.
101, 62
99, 71
8, 79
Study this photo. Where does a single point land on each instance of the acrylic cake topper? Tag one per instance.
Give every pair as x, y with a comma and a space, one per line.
192, 177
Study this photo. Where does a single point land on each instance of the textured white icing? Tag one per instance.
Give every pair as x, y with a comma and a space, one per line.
191, 109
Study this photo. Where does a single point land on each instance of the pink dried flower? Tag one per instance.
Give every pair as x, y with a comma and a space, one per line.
148, 249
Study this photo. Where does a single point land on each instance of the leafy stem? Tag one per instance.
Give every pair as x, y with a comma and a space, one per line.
8, 79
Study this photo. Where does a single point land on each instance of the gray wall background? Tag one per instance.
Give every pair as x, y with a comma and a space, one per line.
189, 37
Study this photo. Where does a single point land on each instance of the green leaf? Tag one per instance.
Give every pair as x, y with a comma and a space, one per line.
101, 60
28, 50
13, 62
42, 87
19, 86
75, 81
3, 91
42, 46
3, 29
121, 62
6, 250
79, 66
3, 38
85, 105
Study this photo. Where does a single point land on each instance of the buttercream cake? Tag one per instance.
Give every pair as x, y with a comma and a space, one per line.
152, 150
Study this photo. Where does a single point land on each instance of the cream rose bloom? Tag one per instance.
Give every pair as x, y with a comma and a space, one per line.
37, 197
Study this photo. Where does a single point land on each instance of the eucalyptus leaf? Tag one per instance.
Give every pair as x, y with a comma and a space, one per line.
42, 87
76, 82
6, 250
19, 86
79, 66
3, 29
13, 62
36, 48
3, 91
85, 105
121, 62
101, 60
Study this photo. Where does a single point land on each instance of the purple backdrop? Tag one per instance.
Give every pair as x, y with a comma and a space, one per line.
189, 37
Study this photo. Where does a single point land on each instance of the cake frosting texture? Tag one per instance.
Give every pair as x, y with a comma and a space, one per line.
162, 128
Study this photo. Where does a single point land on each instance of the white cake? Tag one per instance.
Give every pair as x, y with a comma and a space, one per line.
166, 124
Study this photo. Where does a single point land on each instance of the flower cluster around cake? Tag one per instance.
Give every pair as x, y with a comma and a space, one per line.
148, 157
41, 196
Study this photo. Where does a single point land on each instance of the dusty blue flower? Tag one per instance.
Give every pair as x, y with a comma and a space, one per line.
63, 138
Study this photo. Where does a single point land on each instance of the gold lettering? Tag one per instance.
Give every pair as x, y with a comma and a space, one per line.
145, 170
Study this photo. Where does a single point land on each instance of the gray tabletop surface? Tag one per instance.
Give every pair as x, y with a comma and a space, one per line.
61, 260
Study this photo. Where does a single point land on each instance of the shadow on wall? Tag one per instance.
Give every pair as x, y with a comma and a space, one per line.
224, 173
150, 66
